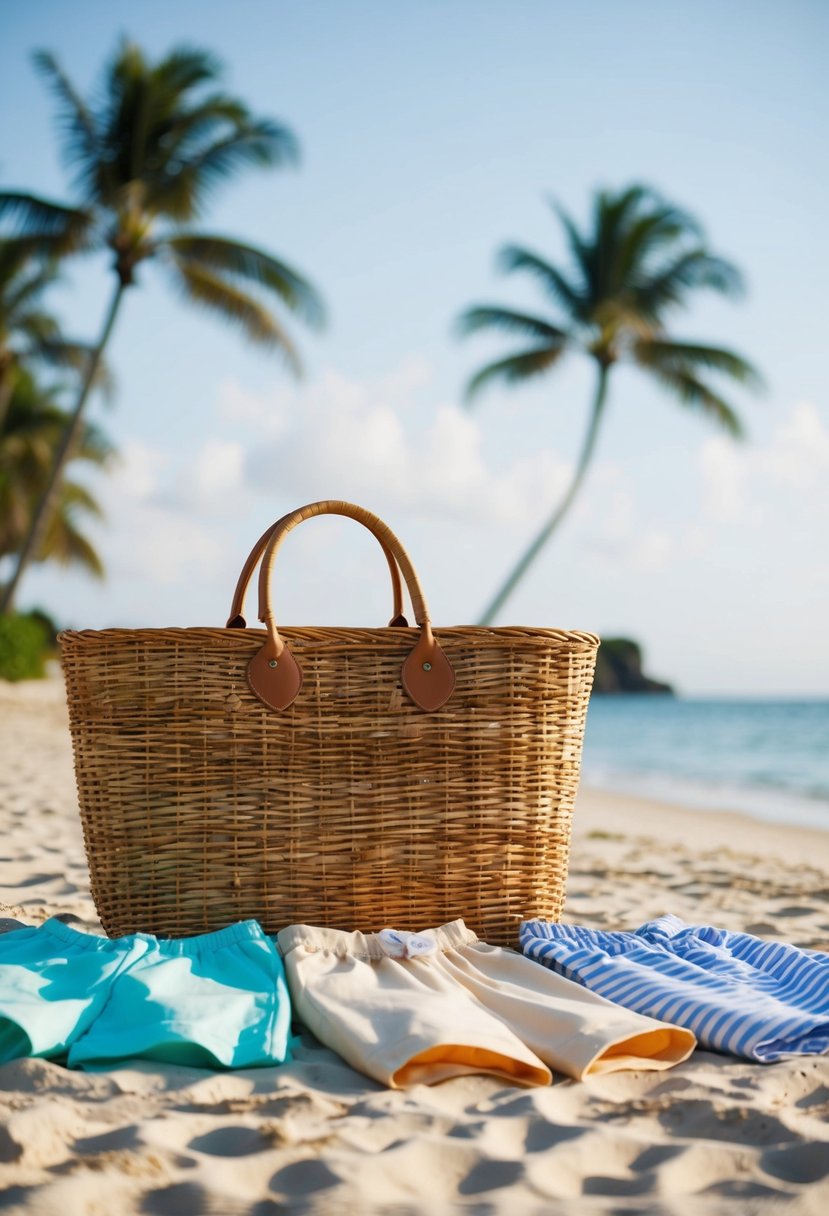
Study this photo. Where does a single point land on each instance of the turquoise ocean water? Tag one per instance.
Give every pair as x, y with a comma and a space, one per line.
769, 759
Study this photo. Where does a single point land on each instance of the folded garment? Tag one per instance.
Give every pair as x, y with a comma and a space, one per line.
738, 994
419, 1008
217, 1000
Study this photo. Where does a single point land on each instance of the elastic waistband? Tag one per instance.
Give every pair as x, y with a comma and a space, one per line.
77, 937
203, 943
367, 945
206, 943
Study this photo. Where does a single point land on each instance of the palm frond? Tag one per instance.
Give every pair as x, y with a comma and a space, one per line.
181, 190
93, 446
247, 262
78, 497
203, 287
640, 204
66, 229
580, 251
126, 66
629, 227
195, 128
614, 214
81, 141
647, 234
34, 425
124, 114
21, 290
693, 268
694, 393
687, 357
490, 316
560, 289
63, 353
36, 326
24, 262
515, 368
63, 543
185, 68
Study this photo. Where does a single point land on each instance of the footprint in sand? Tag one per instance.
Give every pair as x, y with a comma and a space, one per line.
301, 1178
230, 1141
490, 1176
800, 1163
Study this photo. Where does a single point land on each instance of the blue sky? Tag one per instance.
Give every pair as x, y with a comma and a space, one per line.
432, 133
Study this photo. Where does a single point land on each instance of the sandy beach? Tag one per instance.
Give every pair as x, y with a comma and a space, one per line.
714, 1135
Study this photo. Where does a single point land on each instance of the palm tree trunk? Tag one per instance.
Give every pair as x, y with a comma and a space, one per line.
43, 511
561, 510
6, 385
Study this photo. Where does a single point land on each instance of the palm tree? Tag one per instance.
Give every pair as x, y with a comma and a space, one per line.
640, 259
32, 428
29, 335
148, 152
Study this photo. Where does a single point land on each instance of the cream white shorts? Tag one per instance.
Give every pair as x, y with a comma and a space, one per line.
419, 1008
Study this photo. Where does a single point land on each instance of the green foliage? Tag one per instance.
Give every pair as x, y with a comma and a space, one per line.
638, 259
30, 433
148, 150
26, 642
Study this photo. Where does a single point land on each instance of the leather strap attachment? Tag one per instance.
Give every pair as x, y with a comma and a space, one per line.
427, 674
275, 676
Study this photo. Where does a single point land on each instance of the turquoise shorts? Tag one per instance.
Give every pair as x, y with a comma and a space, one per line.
215, 1001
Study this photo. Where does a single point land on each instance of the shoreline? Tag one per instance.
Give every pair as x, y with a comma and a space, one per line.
600, 809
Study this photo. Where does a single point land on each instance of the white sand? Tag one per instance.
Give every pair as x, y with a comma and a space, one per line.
712, 1136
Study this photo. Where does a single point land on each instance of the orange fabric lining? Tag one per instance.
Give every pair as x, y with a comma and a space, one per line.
426, 1067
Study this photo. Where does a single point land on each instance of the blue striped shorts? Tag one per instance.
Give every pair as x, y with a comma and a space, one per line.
214, 1001
738, 994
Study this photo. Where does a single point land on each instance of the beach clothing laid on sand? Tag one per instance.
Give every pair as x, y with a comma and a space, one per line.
761, 1000
419, 1008
215, 1001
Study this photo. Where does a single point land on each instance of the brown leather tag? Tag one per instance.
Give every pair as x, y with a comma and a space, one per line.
276, 682
427, 675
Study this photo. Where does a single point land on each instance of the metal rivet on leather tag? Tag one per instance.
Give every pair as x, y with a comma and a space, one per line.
272, 663
427, 666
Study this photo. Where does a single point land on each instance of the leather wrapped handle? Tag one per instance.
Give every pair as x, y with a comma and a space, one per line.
236, 619
274, 674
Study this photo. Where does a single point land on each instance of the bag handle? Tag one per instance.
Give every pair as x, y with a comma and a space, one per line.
274, 674
236, 619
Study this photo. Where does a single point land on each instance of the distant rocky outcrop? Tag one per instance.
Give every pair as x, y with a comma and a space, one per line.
619, 669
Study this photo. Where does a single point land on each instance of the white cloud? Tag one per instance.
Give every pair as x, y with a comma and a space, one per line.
338, 437
216, 472
139, 470
412, 374
652, 550
335, 438
738, 479
612, 525
154, 506
750, 488
345, 439
240, 407
164, 546
799, 453
725, 475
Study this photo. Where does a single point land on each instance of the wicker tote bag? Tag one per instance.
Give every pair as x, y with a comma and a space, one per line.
354, 778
